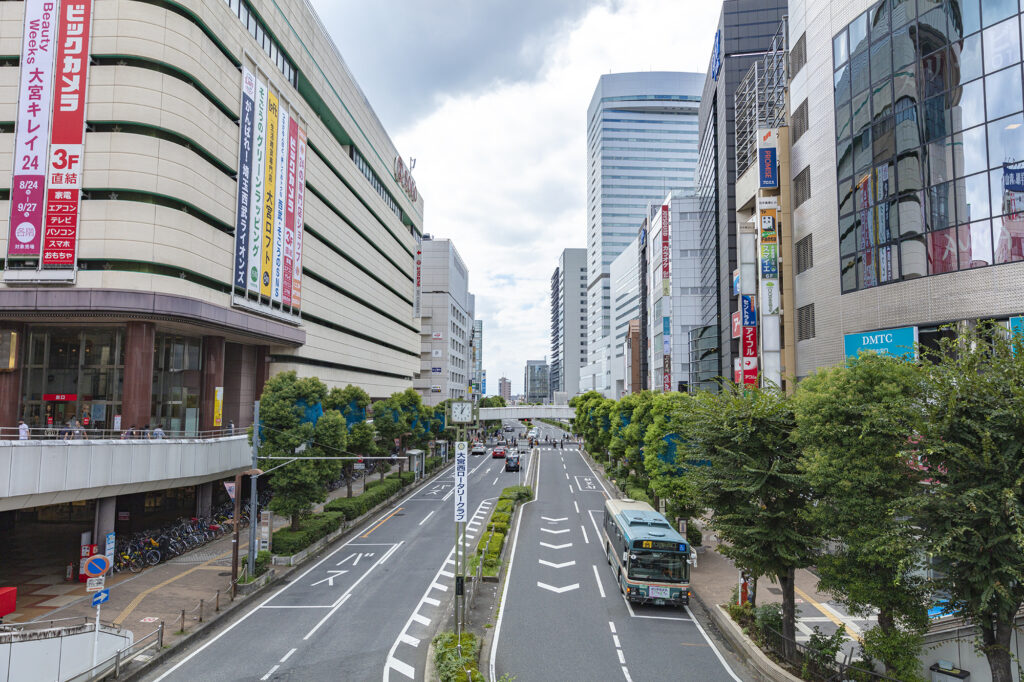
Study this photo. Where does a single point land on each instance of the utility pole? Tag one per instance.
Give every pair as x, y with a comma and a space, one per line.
234, 534
253, 507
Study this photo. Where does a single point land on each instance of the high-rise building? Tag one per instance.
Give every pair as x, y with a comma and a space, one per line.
505, 389
745, 32
641, 142
446, 324
477, 352
568, 321
624, 275
907, 169
535, 382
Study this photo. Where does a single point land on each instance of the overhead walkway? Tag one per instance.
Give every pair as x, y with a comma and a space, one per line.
527, 412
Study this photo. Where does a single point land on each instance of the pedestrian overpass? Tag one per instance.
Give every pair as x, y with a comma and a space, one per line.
527, 412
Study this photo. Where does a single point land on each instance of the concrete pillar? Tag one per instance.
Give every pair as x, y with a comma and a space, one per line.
10, 382
137, 395
106, 515
262, 370
204, 499
213, 376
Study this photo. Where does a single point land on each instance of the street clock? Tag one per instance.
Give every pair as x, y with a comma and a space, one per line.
462, 412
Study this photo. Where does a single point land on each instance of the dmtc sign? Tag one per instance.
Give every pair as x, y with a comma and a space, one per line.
897, 342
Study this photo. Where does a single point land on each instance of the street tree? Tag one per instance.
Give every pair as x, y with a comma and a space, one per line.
394, 416
760, 498
973, 515
492, 401
629, 419
856, 424
352, 402
668, 455
291, 415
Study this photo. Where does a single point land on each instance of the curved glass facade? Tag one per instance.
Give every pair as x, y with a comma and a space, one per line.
929, 139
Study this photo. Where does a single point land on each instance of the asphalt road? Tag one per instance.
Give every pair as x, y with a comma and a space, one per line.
366, 610
562, 616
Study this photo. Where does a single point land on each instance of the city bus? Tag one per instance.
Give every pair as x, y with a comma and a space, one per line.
649, 558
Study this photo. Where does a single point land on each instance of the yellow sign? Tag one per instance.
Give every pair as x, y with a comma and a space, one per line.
268, 201
218, 406
647, 544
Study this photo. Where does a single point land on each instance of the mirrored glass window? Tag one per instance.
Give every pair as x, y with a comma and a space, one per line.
1005, 90
968, 58
994, 11
1006, 141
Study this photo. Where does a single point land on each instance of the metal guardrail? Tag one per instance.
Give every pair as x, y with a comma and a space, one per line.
75, 434
114, 664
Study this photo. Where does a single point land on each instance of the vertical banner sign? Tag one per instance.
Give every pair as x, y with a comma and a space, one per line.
67, 136
666, 254
218, 405
747, 313
461, 465
28, 180
259, 169
279, 197
769, 235
768, 167
300, 198
289, 214
749, 370
666, 352
270, 179
245, 137
749, 342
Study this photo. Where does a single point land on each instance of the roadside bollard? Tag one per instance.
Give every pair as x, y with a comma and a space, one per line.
200, 610
216, 606
183, 620
160, 637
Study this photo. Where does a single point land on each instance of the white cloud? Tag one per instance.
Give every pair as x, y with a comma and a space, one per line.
503, 171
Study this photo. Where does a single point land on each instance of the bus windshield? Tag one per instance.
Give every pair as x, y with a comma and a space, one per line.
669, 567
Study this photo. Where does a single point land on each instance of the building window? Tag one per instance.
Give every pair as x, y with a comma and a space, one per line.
805, 322
798, 55
375, 181
262, 37
802, 187
800, 121
804, 254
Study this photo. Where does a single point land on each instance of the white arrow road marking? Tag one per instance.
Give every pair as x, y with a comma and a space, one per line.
555, 532
330, 579
344, 560
554, 565
548, 518
544, 544
358, 557
558, 590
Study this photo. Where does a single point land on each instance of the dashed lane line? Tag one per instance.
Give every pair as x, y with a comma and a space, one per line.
269, 673
600, 587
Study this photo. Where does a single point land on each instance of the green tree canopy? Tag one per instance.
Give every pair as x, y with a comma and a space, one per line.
285, 410
760, 498
973, 516
855, 424
669, 416
493, 401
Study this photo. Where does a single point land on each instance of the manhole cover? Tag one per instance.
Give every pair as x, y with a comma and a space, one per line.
225, 573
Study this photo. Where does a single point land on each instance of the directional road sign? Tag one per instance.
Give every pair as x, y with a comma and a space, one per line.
97, 565
100, 597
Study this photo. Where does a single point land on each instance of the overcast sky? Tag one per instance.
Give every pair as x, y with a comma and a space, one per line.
490, 98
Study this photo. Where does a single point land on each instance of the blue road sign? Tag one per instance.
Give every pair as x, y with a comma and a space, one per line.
97, 565
100, 597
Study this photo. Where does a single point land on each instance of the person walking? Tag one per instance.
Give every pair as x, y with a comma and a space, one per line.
22, 430
157, 433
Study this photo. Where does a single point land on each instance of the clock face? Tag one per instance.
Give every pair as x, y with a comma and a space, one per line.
462, 412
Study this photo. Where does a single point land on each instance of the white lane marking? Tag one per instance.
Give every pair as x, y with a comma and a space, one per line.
511, 561
625, 672
309, 570
558, 590
622, 659
555, 520
358, 557
567, 475
615, 638
439, 586
448, 574
495, 481
318, 606
549, 546
426, 517
570, 488
344, 560
330, 613
388, 553
600, 587
554, 565
712, 645
612, 626
553, 531
401, 667
272, 671
409, 639
288, 655
598, 478
422, 620
432, 601
585, 538
577, 506
330, 579
685, 620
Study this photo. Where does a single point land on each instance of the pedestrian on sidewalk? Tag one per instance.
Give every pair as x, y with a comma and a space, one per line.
22, 430
78, 430
157, 433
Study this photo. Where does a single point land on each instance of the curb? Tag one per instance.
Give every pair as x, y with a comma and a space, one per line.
205, 630
746, 650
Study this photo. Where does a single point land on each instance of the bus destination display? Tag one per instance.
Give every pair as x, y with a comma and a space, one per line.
660, 544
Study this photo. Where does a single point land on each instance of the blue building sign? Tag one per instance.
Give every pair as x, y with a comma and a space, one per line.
898, 342
768, 167
716, 56
747, 313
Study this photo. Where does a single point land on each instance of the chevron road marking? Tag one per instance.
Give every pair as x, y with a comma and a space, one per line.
554, 565
558, 590
544, 544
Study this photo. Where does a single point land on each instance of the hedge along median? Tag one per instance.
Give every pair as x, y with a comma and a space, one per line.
488, 548
338, 511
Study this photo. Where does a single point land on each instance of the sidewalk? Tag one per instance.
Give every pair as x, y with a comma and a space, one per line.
140, 602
